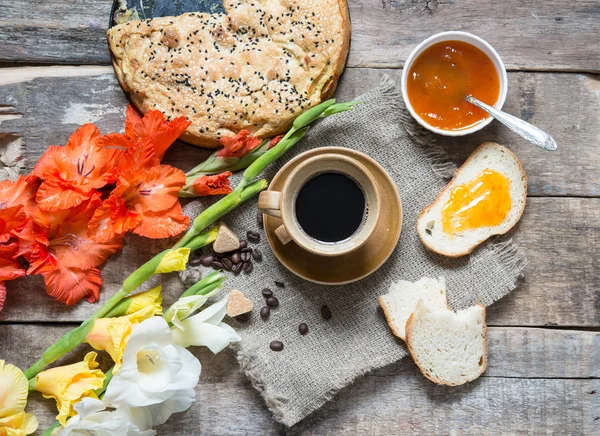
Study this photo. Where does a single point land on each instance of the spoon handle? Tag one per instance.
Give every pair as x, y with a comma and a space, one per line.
517, 125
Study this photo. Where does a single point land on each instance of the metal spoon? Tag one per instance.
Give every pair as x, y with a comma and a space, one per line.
517, 125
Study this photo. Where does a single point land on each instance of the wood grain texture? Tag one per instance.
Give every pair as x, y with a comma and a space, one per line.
50, 107
552, 35
524, 390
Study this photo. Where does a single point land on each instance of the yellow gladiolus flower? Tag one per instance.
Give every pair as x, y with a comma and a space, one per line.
13, 399
111, 334
69, 384
151, 297
174, 260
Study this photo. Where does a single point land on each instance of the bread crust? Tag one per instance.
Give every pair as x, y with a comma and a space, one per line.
208, 135
389, 318
429, 376
447, 188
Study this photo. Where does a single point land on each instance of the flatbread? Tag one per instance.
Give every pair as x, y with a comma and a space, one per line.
257, 67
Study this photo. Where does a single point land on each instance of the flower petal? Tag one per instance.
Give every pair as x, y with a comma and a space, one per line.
54, 195
174, 260
69, 285
182, 400
213, 185
14, 388
163, 224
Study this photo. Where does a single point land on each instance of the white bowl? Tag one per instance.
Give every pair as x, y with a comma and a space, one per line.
473, 40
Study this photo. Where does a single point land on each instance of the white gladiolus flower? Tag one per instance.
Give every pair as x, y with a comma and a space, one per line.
206, 329
183, 308
93, 419
154, 369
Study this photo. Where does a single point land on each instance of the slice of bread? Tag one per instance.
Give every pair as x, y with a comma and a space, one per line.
403, 296
449, 348
491, 156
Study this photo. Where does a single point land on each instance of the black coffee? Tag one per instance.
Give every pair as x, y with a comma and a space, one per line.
330, 207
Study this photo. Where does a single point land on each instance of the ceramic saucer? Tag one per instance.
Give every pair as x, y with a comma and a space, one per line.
361, 262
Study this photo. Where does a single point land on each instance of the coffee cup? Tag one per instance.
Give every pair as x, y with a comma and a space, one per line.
329, 205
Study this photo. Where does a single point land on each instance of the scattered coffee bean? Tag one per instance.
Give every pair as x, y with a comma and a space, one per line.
253, 236
272, 302
326, 313
227, 264
303, 329
236, 269
243, 244
195, 261
219, 256
244, 317
246, 250
267, 293
276, 345
236, 258
259, 218
257, 255
246, 256
248, 267
279, 284
265, 312
207, 260
217, 265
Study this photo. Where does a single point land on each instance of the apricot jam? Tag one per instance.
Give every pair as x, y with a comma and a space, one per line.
443, 75
482, 202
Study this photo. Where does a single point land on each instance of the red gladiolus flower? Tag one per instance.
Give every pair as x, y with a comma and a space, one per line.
73, 173
145, 202
146, 139
239, 145
58, 247
17, 200
212, 185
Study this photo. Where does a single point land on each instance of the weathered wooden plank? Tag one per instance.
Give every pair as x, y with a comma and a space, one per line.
52, 107
395, 399
552, 35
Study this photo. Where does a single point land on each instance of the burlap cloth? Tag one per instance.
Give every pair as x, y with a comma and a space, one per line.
313, 368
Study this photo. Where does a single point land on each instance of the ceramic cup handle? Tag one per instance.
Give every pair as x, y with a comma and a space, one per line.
269, 203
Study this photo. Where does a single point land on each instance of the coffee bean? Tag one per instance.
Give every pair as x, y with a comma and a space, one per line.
276, 345
265, 312
236, 258
227, 264
279, 284
248, 267
267, 293
208, 259
246, 250
246, 257
195, 261
244, 317
219, 256
253, 236
243, 244
259, 218
257, 255
303, 329
217, 265
326, 313
272, 302
236, 269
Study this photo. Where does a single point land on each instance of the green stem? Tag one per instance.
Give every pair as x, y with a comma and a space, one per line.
50, 429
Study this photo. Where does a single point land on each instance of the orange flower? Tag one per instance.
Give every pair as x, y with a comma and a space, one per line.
213, 185
274, 141
58, 247
17, 200
10, 268
145, 202
239, 145
73, 173
146, 139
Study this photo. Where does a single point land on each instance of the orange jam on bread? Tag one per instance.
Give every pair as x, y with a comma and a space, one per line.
482, 202
443, 75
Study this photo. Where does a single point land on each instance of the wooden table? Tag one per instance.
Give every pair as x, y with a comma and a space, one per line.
544, 339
